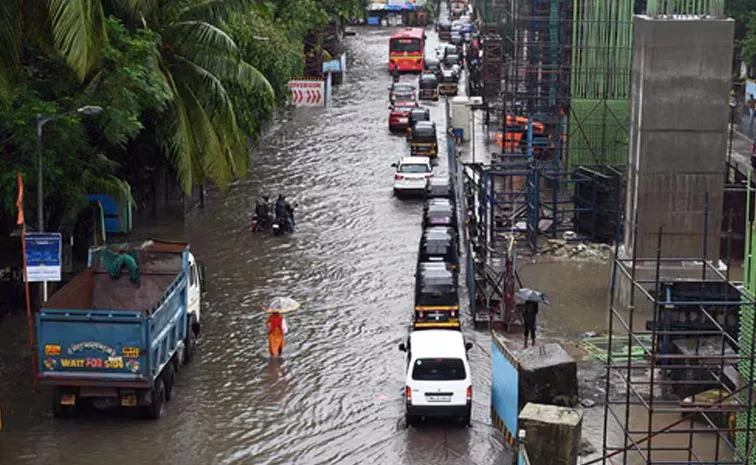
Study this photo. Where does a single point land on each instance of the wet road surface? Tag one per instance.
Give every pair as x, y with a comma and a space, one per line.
336, 396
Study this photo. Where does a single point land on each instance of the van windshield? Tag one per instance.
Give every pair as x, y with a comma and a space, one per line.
438, 369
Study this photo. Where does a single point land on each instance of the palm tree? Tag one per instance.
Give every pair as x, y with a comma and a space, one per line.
199, 133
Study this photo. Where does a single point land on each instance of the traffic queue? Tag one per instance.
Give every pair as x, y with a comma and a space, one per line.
438, 378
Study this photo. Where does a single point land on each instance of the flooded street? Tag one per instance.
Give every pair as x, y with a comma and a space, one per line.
336, 396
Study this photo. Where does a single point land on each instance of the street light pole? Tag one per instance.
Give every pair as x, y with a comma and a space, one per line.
87, 110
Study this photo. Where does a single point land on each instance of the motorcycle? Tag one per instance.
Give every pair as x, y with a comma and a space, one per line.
280, 227
260, 224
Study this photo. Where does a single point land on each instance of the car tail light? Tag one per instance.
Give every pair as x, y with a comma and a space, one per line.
398, 177
453, 314
409, 393
469, 393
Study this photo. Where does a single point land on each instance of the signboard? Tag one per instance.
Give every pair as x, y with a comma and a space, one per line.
333, 66
307, 93
395, 2
43, 256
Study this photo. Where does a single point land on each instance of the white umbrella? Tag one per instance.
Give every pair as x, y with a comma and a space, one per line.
529, 295
281, 305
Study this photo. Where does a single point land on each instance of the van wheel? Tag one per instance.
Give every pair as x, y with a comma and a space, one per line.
169, 376
410, 420
62, 411
467, 420
157, 408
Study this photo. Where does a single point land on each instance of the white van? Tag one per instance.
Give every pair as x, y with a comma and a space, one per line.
439, 383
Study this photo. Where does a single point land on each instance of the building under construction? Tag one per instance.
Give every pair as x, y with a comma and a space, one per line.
680, 368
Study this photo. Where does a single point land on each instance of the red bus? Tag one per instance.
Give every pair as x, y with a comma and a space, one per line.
406, 49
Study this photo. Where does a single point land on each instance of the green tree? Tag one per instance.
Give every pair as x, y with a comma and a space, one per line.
127, 84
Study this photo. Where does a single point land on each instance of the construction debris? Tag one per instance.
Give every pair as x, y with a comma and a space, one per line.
561, 248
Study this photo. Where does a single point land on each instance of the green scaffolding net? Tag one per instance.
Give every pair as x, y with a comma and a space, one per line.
114, 263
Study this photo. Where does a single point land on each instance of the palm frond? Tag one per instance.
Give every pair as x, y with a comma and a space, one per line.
227, 68
10, 40
214, 10
176, 137
210, 88
78, 30
210, 156
200, 33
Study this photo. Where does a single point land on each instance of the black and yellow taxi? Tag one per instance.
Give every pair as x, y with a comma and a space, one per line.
423, 140
436, 296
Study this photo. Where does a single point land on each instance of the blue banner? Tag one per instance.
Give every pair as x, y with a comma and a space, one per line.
43, 256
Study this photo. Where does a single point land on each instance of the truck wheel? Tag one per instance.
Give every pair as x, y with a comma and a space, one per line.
62, 411
169, 376
157, 408
189, 342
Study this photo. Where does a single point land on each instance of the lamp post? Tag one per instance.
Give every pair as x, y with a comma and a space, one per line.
87, 110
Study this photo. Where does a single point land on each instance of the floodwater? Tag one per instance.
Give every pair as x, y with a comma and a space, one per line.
336, 396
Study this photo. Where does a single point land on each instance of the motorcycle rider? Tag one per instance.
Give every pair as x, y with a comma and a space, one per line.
262, 210
285, 213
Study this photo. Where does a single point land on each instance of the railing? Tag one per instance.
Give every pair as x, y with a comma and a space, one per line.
708, 8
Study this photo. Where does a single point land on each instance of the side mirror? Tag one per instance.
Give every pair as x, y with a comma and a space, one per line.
393, 165
402, 347
468, 345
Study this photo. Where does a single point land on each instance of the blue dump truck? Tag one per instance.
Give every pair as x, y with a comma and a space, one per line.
117, 334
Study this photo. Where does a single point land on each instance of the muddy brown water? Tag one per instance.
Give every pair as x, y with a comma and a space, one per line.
336, 396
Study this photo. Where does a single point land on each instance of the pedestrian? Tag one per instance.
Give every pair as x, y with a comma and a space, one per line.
751, 104
276, 327
529, 312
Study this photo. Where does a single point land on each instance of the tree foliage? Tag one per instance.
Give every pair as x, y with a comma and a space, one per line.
194, 79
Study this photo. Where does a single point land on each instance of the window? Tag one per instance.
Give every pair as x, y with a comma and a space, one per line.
406, 45
438, 369
413, 168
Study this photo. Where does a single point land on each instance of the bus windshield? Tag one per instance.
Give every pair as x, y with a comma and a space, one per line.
406, 45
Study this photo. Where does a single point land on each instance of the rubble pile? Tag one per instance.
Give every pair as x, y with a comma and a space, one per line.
561, 248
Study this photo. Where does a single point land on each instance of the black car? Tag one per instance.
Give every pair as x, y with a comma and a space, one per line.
436, 296
419, 114
444, 31
439, 188
439, 244
431, 65
451, 60
439, 212
428, 84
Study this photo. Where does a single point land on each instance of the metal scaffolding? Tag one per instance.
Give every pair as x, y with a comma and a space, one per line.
675, 386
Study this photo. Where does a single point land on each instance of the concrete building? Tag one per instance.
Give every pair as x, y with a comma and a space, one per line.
678, 134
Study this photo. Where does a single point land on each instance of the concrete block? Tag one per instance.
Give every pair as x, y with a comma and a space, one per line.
678, 134
552, 434
548, 375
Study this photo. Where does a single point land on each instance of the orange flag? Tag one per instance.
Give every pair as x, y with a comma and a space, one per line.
20, 199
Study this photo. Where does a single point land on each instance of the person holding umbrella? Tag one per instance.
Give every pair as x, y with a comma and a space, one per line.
530, 311
275, 324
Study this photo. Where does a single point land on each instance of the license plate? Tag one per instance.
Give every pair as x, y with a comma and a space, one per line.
438, 398
68, 399
403, 120
128, 401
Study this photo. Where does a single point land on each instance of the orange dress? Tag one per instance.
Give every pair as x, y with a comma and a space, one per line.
274, 325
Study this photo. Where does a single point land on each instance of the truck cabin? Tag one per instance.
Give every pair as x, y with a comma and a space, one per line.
439, 244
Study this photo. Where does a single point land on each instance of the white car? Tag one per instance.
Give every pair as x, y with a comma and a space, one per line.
412, 174
439, 383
